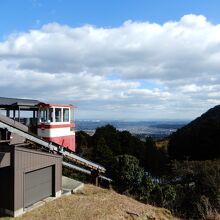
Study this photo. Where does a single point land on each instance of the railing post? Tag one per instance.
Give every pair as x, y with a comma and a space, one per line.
95, 177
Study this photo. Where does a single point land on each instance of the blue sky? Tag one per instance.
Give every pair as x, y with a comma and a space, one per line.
23, 15
118, 59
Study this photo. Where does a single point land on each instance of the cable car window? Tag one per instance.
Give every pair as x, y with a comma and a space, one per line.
66, 115
51, 114
71, 116
43, 115
58, 114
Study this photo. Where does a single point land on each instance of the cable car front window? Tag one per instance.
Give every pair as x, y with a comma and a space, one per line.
66, 115
71, 116
58, 114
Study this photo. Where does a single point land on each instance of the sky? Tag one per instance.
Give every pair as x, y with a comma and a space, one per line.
116, 59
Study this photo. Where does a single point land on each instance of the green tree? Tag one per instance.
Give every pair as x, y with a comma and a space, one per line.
156, 160
156, 196
126, 173
82, 140
169, 196
146, 190
102, 153
111, 136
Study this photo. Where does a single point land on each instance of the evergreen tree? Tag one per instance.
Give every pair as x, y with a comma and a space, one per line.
126, 173
102, 153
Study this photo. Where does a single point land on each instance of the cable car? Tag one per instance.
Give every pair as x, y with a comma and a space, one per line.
56, 124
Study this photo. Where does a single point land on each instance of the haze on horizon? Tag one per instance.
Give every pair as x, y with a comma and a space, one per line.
126, 60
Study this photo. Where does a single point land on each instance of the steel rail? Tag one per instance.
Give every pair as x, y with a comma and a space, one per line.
82, 170
19, 129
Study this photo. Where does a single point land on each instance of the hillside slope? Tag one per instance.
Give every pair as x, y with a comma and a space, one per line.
200, 139
95, 203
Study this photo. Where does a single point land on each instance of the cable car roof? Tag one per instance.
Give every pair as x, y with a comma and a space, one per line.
56, 105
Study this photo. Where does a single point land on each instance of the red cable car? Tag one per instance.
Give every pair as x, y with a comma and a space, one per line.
56, 124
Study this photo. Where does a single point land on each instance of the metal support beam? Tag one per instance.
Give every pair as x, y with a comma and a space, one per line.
95, 177
76, 168
4, 141
8, 113
19, 114
33, 116
13, 114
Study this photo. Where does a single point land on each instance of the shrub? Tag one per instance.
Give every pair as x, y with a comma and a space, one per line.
126, 173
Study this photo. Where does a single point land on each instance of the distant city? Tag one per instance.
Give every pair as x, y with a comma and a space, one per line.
142, 129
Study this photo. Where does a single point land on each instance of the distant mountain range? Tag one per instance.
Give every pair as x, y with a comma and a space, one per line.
155, 129
200, 139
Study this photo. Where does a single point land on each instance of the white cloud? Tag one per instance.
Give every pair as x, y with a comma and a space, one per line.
191, 88
64, 64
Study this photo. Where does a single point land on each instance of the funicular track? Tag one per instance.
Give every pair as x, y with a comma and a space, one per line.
74, 161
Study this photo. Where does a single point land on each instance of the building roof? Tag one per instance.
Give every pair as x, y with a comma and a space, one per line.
10, 102
26, 104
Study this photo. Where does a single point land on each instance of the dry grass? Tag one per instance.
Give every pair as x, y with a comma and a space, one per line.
93, 203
